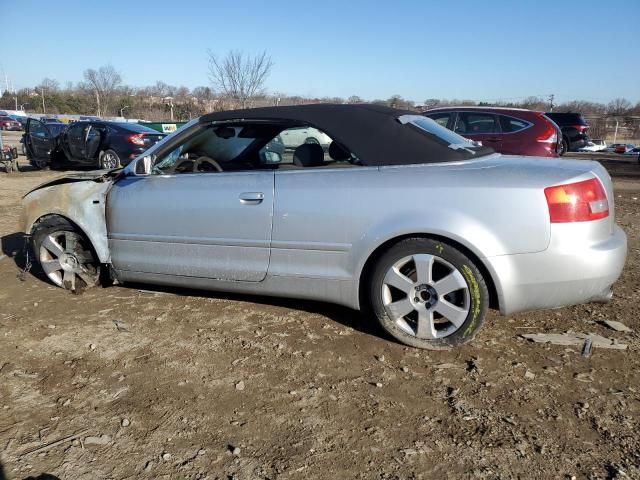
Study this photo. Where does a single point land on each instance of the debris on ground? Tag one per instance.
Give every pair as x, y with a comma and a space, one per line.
617, 326
576, 339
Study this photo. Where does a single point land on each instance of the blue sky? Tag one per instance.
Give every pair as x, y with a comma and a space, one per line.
418, 49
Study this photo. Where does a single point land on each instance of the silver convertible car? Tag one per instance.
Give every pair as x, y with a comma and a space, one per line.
399, 216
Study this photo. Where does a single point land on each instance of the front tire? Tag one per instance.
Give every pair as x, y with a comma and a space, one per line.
109, 160
65, 255
427, 294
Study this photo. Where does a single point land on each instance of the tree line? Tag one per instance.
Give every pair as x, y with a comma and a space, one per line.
236, 81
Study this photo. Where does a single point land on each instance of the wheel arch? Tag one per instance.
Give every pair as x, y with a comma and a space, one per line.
82, 204
53, 218
374, 256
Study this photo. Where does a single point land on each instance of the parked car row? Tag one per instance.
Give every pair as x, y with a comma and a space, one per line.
95, 143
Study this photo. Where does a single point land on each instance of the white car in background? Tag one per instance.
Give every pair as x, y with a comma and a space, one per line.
293, 137
594, 145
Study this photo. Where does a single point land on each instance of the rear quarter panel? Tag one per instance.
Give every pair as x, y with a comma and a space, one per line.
327, 222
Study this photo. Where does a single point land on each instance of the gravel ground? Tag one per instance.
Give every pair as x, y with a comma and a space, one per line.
142, 382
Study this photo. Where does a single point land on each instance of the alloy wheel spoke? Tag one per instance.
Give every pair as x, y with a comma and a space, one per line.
424, 267
52, 245
51, 266
455, 315
426, 327
71, 242
85, 275
396, 279
69, 280
400, 308
452, 282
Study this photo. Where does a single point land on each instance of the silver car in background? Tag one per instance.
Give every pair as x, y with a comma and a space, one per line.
398, 216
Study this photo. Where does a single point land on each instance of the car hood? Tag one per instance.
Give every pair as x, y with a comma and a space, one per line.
90, 176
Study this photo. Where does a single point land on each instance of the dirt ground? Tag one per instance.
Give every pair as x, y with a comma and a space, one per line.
169, 383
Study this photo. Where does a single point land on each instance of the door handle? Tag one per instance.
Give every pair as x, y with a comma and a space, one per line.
251, 198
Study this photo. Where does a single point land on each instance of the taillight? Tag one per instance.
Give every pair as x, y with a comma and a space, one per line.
549, 135
581, 128
136, 139
577, 202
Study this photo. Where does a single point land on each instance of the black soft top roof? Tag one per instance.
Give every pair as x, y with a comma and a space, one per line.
373, 133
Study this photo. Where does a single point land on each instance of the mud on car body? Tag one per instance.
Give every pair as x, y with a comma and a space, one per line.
398, 217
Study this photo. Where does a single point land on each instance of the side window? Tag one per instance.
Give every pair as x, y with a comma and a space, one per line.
441, 118
511, 124
76, 131
476, 123
304, 147
37, 129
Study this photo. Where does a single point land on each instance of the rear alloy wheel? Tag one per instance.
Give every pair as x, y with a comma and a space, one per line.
427, 294
66, 257
109, 160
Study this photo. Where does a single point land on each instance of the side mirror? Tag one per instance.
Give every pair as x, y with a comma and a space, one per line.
143, 166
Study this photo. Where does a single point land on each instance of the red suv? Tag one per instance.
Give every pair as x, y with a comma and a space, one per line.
512, 131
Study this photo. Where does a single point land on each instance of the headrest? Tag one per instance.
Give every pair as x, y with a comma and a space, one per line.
308, 155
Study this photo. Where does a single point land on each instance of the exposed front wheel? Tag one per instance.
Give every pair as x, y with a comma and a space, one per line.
428, 294
109, 160
65, 255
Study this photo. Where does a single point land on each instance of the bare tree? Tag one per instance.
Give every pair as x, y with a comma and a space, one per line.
49, 84
619, 106
239, 76
104, 82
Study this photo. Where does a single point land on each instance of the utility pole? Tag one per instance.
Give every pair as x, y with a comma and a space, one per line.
44, 110
551, 102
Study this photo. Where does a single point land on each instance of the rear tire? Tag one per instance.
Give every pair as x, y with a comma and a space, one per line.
564, 147
427, 294
109, 160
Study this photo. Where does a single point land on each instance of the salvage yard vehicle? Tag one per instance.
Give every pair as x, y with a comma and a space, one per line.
574, 130
512, 131
400, 217
594, 146
9, 123
101, 144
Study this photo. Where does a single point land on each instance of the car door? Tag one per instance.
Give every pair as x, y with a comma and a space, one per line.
93, 139
480, 126
73, 141
208, 225
39, 141
189, 217
514, 135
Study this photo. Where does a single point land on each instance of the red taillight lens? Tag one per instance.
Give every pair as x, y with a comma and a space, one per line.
136, 139
549, 135
581, 128
577, 202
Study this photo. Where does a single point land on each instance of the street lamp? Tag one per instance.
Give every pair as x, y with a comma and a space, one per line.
123, 109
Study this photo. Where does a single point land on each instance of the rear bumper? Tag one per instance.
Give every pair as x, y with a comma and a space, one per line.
559, 277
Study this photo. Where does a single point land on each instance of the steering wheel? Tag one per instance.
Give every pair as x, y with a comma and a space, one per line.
204, 164
200, 164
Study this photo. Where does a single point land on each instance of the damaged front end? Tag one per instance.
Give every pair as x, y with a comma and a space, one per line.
79, 199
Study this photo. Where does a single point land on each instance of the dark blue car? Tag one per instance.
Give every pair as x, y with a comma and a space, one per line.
98, 144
